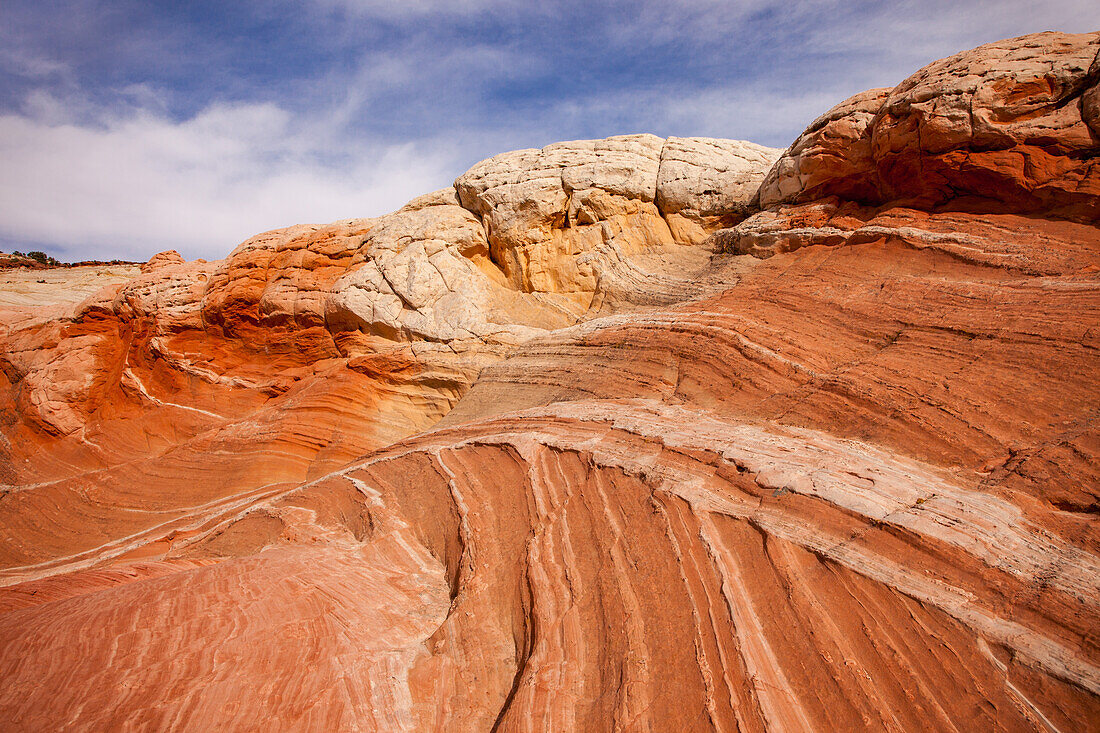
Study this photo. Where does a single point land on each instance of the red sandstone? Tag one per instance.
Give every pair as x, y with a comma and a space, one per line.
839, 471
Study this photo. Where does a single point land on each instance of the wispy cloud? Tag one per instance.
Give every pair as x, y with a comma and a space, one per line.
411, 8
132, 185
128, 126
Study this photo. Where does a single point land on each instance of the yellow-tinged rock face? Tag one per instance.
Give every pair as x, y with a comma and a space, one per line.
56, 286
543, 208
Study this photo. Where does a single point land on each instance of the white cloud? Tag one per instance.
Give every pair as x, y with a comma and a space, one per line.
87, 182
29, 64
756, 113
910, 32
134, 184
392, 9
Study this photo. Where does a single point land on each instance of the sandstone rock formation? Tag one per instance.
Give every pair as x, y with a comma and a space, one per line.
1007, 127
592, 441
163, 259
541, 208
832, 157
703, 183
53, 286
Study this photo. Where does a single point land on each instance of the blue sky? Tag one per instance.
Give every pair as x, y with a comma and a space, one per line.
128, 127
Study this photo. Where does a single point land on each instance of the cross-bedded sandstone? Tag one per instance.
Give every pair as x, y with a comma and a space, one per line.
624, 434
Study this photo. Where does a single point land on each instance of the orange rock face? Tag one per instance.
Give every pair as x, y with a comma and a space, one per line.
1007, 127
450, 469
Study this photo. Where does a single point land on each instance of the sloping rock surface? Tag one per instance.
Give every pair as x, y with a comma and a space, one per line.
627, 434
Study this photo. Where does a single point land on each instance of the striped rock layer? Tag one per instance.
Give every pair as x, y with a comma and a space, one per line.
629, 434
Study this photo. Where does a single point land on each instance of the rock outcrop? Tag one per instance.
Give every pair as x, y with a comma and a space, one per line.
630, 434
703, 183
542, 208
163, 259
51, 286
1007, 127
833, 157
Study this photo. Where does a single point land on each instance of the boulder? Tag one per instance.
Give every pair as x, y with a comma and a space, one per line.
162, 259
1006, 127
704, 183
543, 208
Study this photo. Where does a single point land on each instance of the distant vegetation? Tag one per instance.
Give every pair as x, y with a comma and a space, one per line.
38, 259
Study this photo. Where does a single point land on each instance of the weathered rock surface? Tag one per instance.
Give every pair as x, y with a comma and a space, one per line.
1006, 127
55, 286
833, 157
428, 277
163, 259
523, 455
303, 348
542, 208
703, 183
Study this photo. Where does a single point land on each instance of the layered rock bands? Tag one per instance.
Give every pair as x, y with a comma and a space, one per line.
623, 434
